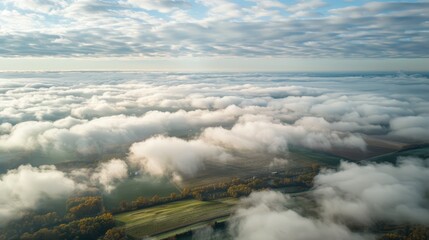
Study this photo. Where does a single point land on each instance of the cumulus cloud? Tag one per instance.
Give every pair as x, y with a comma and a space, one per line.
26, 187
356, 195
374, 192
410, 127
174, 156
353, 195
105, 134
257, 135
262, 134
263, 215
5, 128
253, 134
109, 173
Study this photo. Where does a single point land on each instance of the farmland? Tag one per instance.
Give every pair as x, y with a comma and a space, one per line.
258, 164
173, 216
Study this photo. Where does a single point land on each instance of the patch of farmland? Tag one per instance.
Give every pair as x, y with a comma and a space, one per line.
172, 216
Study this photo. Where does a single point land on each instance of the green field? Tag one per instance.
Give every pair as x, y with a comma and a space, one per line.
421, 152
173, 216
132, 188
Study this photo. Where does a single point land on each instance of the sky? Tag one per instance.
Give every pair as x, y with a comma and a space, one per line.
222, 35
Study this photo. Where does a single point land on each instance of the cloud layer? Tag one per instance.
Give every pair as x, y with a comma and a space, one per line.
193, 28
180, 124
54, 121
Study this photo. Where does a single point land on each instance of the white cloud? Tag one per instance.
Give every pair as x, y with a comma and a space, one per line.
26, 187
306, 5
354, 195
252, 134
221, 10
245, 112
96, 108
43, 6
106, 134
410, 127
263, 216
5, 128
109, 173
264, 134
173, 156
203, 117
376, 192
164, 6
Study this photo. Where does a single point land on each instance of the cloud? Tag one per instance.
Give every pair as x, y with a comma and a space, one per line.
43, 6
164, 6
26, 187
109, 173
410, 127
376, 192
252, 134
306, 5
174, 156
105, 134
63, 121
167, 28
96, 108
177, 124
259, 133
263, 216
5, 128
354, 195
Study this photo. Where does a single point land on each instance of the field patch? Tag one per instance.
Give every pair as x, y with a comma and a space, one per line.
173, 216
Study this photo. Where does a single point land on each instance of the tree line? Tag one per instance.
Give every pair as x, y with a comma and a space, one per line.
235, 188
85, 218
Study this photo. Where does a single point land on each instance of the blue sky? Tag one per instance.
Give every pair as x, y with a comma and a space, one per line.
159, 34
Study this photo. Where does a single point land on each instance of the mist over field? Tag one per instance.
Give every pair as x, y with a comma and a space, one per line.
72, 131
